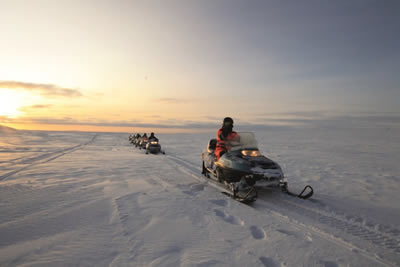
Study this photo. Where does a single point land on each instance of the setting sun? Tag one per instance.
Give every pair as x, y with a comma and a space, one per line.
10, 102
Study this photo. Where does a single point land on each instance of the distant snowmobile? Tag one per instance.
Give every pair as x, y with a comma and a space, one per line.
154, 147
243, 168
142, 143
136, 141
131, 138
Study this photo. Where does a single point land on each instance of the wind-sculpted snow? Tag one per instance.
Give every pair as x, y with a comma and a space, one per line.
26, 162
85, 199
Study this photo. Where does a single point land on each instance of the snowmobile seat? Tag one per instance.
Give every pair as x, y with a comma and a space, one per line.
212, 145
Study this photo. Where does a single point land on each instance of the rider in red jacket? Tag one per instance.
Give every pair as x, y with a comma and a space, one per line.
224, 136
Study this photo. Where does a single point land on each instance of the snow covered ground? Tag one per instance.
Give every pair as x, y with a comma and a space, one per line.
87, 199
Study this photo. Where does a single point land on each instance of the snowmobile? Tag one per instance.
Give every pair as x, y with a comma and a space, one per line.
131, 139
154, 147
143, 142
136, 141
242, 169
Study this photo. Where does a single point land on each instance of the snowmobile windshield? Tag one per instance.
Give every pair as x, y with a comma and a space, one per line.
245, 140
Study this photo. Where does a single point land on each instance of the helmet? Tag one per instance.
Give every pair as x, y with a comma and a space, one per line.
228, 121
152, 134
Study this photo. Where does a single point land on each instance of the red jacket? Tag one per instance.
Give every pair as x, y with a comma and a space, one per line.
222, 142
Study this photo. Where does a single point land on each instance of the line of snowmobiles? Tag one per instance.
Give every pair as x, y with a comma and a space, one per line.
239, 171
242, 169
143, 142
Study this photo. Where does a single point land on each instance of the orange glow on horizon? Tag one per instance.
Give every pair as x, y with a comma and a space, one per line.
90, 128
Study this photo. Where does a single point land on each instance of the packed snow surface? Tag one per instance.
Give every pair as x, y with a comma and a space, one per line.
87, 199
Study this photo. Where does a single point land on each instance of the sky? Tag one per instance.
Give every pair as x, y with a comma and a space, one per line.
99, 65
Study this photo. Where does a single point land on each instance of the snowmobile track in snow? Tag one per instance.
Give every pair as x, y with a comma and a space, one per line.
382, 236
348, 231
43, 158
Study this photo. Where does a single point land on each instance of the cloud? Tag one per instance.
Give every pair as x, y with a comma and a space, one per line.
29, 108
46, 89
317, 114
153, 116
39, 106
213, 118
171, 100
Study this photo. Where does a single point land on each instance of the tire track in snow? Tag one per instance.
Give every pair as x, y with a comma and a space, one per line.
46, 157
15, 161
193, 171
332, 220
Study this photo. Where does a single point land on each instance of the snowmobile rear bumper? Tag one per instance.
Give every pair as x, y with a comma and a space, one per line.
154, 149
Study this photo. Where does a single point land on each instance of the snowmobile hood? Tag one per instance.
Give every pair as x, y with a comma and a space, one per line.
260, 165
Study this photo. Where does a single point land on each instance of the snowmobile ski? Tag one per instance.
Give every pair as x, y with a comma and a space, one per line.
305, 194
233, 190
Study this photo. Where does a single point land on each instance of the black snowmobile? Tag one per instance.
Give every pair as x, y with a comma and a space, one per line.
154, 147
243, 168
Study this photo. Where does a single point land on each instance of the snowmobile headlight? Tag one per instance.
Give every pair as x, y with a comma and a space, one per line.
251, 153
154, 142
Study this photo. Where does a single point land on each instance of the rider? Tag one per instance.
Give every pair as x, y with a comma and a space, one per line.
152, 138
137, 139
144, 139
224, 136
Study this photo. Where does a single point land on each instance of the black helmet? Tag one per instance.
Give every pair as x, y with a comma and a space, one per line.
228, 121
152, 134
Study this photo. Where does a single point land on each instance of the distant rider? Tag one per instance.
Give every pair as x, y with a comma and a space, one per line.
137, 139
145, 138
224, 136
